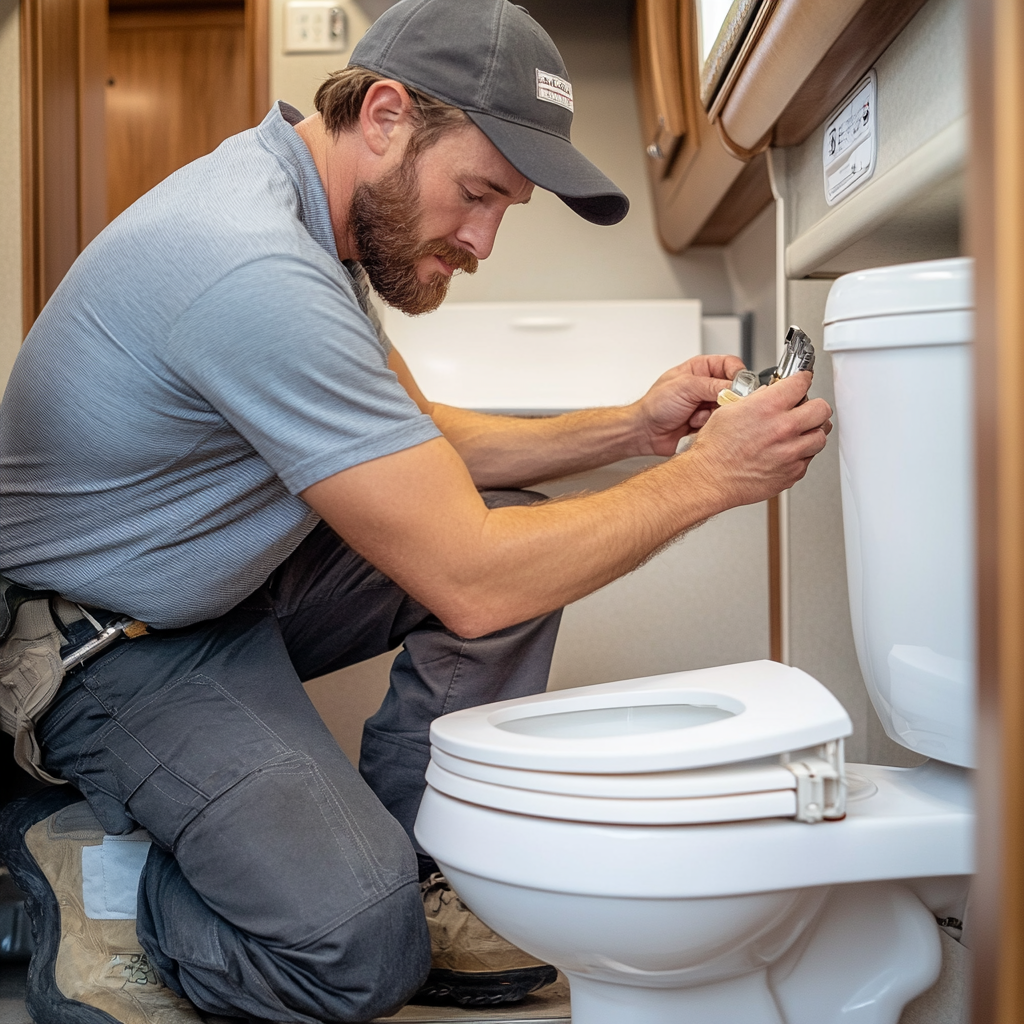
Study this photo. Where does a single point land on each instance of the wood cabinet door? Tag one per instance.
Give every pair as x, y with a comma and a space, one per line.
190, 76
660, 81
177, 88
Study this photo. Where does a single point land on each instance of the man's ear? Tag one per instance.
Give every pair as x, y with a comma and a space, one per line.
386, 106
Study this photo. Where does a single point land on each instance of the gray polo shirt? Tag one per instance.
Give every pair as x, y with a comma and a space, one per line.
205, 360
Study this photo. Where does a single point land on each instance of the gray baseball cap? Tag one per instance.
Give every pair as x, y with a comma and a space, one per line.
492, 60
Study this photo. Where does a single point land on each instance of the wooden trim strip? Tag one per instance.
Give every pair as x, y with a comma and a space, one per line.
996, 233
774, 580
736, 150
31, 255
257, 55
92, 121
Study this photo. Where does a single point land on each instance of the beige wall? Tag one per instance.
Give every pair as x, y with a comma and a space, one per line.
295, 77
10, 190
750, 264
922, 88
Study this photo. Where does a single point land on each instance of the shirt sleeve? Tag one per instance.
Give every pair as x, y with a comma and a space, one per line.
280, 349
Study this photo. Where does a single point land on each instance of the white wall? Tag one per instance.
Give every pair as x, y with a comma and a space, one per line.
10, 190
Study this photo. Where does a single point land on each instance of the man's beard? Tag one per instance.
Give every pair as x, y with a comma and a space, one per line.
384, 217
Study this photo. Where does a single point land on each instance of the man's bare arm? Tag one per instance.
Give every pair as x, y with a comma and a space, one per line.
511, 451
417, 516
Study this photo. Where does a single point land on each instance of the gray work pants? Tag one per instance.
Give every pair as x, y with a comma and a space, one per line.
282, 884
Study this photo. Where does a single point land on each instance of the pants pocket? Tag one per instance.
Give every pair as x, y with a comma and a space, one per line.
161, 761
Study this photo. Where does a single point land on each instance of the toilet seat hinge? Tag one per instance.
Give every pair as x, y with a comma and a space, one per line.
820, 785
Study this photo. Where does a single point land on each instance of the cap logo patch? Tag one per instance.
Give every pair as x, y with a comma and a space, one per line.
552, 89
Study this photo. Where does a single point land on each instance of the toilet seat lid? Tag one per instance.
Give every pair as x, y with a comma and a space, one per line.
680, 720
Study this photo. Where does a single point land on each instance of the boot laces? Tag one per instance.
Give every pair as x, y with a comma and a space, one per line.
437, 892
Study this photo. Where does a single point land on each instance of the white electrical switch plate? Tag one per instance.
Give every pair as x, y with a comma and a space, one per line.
314, 26
851, 142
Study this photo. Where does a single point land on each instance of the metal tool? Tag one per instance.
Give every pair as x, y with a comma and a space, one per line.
796, 356
128, 628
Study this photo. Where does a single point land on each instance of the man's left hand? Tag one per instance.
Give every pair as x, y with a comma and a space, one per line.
681, 400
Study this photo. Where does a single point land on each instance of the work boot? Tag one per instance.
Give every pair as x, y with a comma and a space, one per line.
83, 970
470, 965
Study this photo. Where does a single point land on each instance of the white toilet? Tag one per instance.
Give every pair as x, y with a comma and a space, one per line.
691, 847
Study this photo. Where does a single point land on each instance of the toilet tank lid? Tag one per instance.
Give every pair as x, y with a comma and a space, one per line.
929, 287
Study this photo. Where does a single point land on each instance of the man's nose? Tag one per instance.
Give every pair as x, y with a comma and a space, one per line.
477, 235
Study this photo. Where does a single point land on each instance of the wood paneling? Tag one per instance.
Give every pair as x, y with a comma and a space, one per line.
750, 193
92, 140
996, 238
179, 85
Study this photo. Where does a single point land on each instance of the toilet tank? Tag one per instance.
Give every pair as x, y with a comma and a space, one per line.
900, 342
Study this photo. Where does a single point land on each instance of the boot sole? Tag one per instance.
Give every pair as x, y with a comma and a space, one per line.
484, 988
44, 1000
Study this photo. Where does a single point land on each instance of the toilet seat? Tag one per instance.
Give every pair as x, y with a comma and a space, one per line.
735, 743
706, 717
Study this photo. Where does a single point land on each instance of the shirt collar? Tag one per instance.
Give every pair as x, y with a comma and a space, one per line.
278, 133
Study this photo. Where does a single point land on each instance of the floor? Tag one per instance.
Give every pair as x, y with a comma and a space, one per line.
945, 1003
551, 1005
12, 995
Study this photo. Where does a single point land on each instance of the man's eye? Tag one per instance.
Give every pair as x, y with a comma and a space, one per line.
470, 197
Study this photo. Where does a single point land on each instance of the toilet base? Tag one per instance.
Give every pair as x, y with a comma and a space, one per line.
603, 904
743, 1000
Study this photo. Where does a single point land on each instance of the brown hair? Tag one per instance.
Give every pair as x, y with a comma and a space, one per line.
340, 99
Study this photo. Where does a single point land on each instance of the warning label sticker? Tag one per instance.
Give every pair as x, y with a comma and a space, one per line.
850, 143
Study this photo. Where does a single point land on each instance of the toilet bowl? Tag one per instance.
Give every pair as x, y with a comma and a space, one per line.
692, 846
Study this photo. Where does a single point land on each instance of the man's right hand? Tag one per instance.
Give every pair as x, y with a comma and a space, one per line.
762, 445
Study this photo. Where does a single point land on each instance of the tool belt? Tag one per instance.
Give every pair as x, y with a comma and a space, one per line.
33, 626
